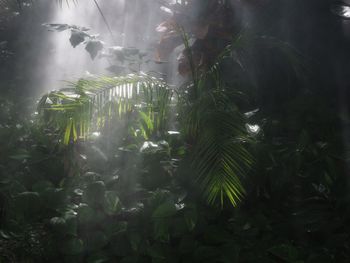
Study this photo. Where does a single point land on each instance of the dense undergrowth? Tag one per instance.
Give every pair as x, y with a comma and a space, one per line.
99, 202
218, 170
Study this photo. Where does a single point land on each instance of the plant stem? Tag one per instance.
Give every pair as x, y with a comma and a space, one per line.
104, 19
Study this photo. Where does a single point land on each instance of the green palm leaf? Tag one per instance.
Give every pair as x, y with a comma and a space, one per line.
91, 104
220, 156
216, 129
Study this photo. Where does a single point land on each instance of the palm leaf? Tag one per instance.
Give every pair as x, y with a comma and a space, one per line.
220, 156
89, 105
214, 125
216, 129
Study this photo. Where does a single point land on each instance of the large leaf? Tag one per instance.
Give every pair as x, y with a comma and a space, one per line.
220, 154
77, 37
93, 103
93, 46
166, 209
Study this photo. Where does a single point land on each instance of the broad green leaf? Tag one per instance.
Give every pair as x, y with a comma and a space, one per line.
166, 209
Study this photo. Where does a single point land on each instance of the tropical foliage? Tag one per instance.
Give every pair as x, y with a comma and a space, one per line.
91, 105
244, 162
218, 155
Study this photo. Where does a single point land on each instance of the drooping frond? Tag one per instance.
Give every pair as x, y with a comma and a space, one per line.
220, 156
217, 132
90, 104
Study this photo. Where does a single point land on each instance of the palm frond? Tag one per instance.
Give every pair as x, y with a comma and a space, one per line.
217, 132
220, 156
213, 124
91, 104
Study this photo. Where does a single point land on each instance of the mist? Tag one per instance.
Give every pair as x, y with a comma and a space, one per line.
141, 131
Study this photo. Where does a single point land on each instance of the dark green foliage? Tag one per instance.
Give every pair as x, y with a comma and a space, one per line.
137, 192
294, 211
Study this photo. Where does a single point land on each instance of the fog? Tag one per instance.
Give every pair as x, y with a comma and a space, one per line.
116, 23
174, 131
47, 59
